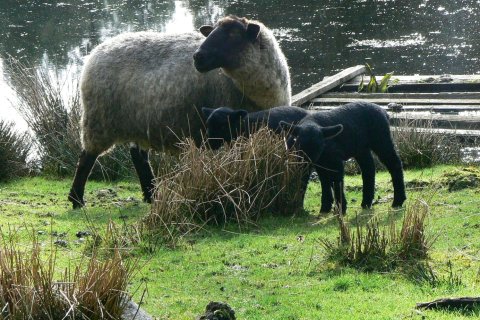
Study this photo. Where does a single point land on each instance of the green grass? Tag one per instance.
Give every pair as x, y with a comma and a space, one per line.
277, 270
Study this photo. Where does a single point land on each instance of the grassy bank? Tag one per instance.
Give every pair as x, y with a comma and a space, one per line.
279, 269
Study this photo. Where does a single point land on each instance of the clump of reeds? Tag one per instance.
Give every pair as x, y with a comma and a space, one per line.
365, 248
93, 289
413, 242
235, 183
14, 150
420, 146
372, 247
51, 108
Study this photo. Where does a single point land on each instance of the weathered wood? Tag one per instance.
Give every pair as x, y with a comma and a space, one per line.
398, 100
332, 92
449, 132
404, 95
420, 87
436, 120
421, 79
451, 303
327, 84
421, 108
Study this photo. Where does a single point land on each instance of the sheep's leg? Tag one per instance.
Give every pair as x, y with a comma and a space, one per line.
392, 161
144, 171
84, 167
367, 165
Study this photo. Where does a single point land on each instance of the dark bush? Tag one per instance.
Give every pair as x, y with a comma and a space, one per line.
52, 111
14, 150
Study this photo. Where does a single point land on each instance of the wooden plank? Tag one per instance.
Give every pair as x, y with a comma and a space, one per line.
417, 108
474, 119
436, 120
327, 84
399, 100
419, 87
451, 132
404, 95
425, 79
462, 304
470, 122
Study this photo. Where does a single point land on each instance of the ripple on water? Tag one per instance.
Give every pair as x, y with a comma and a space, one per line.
288, 34
414, 39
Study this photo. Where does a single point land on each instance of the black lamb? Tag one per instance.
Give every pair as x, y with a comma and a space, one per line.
225, 124
331, 137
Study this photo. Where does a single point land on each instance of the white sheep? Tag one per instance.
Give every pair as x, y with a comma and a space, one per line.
145, 88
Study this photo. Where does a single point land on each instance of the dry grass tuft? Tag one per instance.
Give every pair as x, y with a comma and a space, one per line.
376, 248
236, 183
94, 289
413, 241
420, 146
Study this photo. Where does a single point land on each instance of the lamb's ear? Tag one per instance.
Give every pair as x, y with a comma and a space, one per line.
241, 113
207, 112
206, 30
253, 30
332, 132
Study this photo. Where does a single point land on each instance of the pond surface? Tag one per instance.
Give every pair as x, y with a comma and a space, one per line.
318, 37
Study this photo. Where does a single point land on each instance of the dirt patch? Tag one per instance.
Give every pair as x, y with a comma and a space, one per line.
463, 178
353, 188
106, 194
417, 184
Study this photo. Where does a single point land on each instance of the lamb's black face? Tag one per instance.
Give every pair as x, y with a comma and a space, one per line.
223, 125
224, 44
309, 138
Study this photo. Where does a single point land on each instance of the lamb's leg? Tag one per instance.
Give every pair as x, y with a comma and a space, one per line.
392, 161
304, 183
338, 187
84, 167
144, 171
327, 195
340, 199
367, 165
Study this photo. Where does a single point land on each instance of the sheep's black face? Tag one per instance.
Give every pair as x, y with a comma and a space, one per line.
309, 138
223, 125
224, 44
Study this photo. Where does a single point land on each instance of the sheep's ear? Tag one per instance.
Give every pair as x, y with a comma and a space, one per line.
207, 112
252, 31
206, 30
332, 132
241, 113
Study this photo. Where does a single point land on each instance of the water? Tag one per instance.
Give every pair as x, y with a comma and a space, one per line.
318, 37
